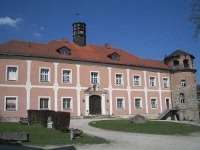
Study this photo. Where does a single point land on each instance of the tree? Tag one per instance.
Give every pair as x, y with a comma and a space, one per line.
195, 18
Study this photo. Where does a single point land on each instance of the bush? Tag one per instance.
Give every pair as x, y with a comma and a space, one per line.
40, 116
61, 120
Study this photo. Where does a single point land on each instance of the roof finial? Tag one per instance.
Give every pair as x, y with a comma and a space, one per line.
177, 47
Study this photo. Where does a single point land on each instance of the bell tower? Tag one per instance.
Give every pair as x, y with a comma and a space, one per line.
79, 33
183, 85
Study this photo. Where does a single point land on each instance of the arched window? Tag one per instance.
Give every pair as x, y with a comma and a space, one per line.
176, 64
185, 63
182, 98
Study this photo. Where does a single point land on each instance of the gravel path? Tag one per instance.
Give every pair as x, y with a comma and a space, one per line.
133, 141
124, 141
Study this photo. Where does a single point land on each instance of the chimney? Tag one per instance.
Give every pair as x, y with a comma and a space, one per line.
64, 39
79, 33
107, 45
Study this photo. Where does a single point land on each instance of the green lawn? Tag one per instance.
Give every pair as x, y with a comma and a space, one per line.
151, 127
44, 136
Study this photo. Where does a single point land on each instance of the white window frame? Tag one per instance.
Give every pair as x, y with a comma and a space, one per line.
156, 103
119, 81
140, 98
70, 76
16, 103
98, 77
150, 82
165, 84
123, 103
7, 74
183, 83
49, 102
139, 80
71, 103
41, 74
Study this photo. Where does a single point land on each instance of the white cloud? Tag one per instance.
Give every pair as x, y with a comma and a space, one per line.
41, 28
10, 22
37, 35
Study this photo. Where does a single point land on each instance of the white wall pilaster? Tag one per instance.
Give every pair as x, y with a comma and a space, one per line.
87, 104
160, 92
145, 91
103, 107
28, 84
55, 87
110, 89
78, 90
128, 90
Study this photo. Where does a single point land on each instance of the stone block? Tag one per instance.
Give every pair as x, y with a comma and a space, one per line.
138, 119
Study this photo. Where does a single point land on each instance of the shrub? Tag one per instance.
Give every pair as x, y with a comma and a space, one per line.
61, 120
40, 116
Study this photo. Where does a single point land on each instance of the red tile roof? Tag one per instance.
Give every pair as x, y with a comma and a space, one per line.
89, 53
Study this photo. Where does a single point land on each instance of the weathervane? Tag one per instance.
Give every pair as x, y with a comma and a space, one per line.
177, 47
78, 14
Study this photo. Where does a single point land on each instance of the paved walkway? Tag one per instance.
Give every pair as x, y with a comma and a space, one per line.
128, 141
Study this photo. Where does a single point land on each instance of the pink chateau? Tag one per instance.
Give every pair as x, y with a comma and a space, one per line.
86, 79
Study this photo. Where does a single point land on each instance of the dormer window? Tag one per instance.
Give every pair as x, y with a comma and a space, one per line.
114, 56
64, 51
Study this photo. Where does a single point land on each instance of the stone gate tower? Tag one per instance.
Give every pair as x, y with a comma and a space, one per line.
183, 85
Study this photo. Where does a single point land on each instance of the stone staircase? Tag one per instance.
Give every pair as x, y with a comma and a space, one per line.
167, 113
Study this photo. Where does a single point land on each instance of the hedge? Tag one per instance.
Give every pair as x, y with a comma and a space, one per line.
61, 120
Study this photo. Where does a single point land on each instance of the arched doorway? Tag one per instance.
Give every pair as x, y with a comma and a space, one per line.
95, 104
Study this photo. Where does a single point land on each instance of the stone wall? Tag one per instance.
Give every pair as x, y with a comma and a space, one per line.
9, 119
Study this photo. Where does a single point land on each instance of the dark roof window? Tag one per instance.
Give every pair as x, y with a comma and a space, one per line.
114, 56
64, 51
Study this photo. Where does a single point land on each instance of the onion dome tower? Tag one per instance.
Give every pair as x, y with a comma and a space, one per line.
183, 85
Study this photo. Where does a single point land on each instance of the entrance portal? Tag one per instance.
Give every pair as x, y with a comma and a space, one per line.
95, 104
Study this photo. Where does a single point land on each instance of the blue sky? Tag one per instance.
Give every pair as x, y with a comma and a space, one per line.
146, 28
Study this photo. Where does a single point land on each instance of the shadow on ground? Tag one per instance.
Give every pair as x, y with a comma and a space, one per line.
18, 146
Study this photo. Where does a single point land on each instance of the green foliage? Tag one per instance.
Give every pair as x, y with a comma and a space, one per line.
151, 127
40, 116
61, 120
41, 136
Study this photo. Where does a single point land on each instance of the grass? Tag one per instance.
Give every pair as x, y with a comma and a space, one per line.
43, 136
151, 127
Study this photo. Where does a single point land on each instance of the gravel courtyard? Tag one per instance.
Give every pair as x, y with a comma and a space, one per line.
124, 141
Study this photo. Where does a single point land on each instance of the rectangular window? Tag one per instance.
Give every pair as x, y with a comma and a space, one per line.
138, 103
182, 99
12, 73
94, 78
153, 103
44, 75
66, 76
152, 81
136, 80
44, 103
118, 79
165, 83
11, 104
120, 103
67, 103
183, 83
